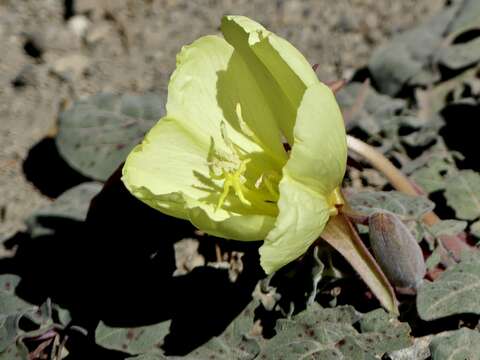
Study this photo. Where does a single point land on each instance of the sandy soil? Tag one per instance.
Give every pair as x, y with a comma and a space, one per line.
51, 56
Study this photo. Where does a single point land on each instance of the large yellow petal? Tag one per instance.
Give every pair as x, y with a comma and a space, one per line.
302, 217
281, 70
192, 91
319, 154
170, 160
169, 172
315, 169
212, 85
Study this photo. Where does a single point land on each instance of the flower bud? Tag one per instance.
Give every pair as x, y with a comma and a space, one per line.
396, 250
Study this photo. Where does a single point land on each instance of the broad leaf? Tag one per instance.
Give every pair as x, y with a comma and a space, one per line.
150, 357
395, 63
391, 334
97, 133
234, 343
376, 113
467, 17
72, 205
15, 351
406, 206
457, 56
418, 351
452, 90
456, 291
12, 311
9, 330
137, 340
330, 334
431, 177
9, 303
460, 344
475, 229
448, 227
463, 194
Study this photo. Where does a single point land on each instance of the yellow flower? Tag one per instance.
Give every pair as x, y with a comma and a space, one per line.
253, 146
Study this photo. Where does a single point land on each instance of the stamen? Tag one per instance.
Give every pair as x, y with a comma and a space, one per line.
243, 124
223, 132
226, 188
230, 166
269, 180
234, 180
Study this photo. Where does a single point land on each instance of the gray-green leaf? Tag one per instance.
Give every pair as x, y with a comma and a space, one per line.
460, 344
430, 178
475, 229
378, 113
97, 133
12, 310
234, 343
448, 227
72, 205
460, 55
137, 340
463, 194
9, 303
330, 334
15, 351
151, 357
456, 291
395, 63
405, 206
467, 17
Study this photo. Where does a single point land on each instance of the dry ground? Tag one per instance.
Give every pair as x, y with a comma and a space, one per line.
47, 62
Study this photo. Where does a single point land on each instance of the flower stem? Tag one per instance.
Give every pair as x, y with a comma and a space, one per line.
398, 180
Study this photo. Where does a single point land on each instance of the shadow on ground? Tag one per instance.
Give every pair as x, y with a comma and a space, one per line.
460, 133
117, 266
46, 169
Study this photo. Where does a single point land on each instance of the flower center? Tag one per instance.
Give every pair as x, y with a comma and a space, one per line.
230, 166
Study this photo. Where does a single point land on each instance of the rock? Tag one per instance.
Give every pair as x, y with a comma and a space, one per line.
187, 257
347, 23
78, 25
97, 33
87, 6
34, 44
26, 77
96, 9
71, 66
59, 37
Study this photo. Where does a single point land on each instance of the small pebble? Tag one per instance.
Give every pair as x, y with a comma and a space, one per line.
71, 66
78, 25
34, 45
26, 77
